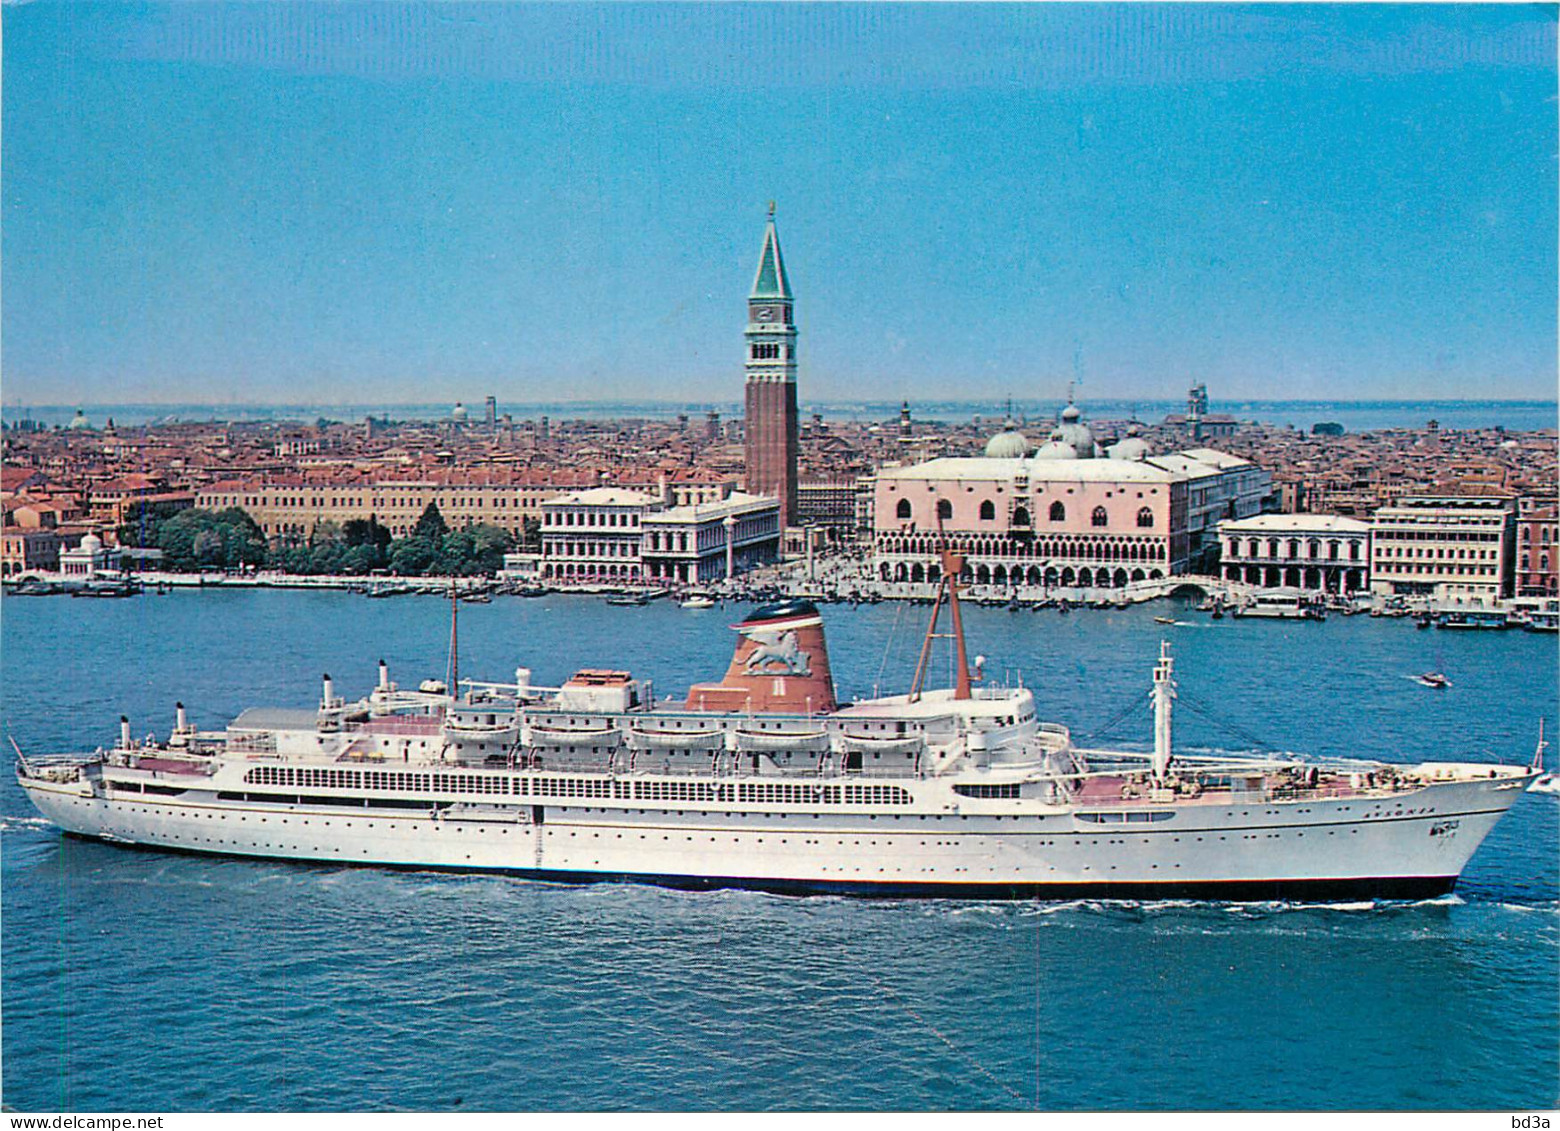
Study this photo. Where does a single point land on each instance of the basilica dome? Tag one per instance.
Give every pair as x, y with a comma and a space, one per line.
1056, 449
1009, 443
1072, 432
1133, 447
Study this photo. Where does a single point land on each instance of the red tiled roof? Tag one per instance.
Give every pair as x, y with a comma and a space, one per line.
14, 478
132, 482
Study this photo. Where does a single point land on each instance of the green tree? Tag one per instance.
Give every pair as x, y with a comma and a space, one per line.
367, 532
360, 560
454, 555
143, 526
412, 556
488, 546
176, 539
194, 538
326, 557
206, 546
431, 525
243, 541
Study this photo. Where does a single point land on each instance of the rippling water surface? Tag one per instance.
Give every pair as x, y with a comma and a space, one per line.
142, 980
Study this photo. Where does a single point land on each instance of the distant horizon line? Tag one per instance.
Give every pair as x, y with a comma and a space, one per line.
673, 402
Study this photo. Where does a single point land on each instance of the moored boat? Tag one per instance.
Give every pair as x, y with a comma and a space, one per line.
1472, 620
1541, 621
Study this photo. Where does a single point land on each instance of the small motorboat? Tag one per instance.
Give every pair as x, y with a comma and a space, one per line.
34, 587
1433, 679
624, 599
1164, 620
106, 589
698, 601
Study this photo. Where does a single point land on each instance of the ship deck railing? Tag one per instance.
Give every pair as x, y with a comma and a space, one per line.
650, 768
160, 762
56, 767
1117, 788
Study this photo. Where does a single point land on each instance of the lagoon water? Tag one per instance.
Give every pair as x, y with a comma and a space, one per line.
137, 980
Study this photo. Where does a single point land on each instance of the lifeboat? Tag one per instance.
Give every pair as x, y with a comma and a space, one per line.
782, 739
469, 730
883, 743
538, 735
653, 738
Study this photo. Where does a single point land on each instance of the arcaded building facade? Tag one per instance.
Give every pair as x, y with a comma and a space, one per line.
1031, 522
1061, 513
1323, 552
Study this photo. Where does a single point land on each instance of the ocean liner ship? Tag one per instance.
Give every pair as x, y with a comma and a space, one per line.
762, 780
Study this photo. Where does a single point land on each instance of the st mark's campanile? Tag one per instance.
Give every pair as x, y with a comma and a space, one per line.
770, 427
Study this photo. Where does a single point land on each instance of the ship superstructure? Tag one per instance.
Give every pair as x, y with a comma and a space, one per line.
763, 780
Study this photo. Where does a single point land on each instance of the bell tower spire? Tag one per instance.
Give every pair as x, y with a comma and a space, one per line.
771, 414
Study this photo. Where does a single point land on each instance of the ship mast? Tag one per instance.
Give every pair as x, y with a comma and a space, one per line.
947, 589
1163, 696
454, 642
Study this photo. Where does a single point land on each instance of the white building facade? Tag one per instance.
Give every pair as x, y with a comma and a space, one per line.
1321, 552
707, 541
89, 560
1448, 547
611, 535
594, 535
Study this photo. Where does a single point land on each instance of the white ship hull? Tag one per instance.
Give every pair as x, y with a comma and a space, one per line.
763, 780
1409, 845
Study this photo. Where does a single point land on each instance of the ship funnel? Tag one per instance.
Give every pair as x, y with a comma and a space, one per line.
780, 664
522, 682
182, 722
124, 732
328, 695
384, 676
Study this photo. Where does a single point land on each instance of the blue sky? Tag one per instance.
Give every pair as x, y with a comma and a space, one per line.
348, 203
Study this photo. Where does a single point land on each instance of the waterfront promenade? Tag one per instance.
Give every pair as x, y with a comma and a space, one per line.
827, 580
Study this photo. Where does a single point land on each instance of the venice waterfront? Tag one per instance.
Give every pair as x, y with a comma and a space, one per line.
140, 980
